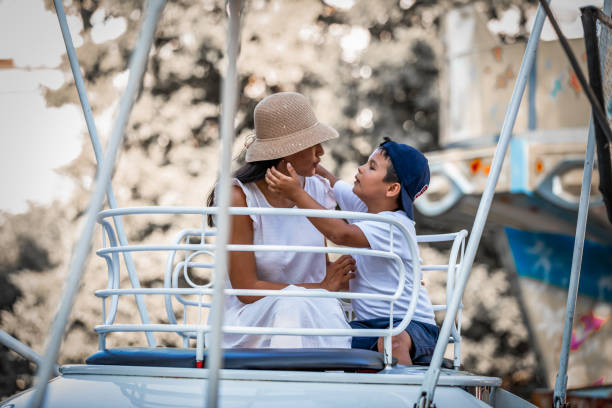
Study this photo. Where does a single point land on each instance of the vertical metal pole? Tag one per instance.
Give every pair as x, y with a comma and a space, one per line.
429, 384
138, 64
583, 210
531, 101
25, 351
559, 396
95, 142
229, 94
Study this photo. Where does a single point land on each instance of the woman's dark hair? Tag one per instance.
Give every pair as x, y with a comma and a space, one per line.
248, 173
391, 176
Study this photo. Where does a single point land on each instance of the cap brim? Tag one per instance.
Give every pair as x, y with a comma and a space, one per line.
269, 149
407, 204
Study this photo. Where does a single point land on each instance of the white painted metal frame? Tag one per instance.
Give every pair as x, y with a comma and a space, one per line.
452, 270
172, 271
112, 289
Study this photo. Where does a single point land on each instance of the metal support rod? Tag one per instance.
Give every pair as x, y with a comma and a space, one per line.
229, 99
532, 117
97, 147
137, 67
560, 392
23, 350
598, 112
433, 372
583, 210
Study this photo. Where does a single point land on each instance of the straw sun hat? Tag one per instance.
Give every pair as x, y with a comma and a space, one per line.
285, 124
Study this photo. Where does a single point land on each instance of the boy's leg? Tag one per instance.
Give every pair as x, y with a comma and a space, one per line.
366, 343
401, 346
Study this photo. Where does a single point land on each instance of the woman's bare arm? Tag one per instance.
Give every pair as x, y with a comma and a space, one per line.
334, 229
242, 267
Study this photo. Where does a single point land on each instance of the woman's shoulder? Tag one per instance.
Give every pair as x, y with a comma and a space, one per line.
238, 196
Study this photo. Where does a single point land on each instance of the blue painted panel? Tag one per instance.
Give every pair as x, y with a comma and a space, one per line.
548, 257
518, 166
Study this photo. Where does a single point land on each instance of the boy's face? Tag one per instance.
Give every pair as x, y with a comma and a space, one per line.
369, 178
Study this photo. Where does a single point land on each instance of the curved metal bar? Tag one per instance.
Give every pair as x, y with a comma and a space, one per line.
451, 269
81, 249
168, 271
114, 267
292, 212
102, 293
179, 297
97, 147
450, 284
287, 331
188, 262
439, 237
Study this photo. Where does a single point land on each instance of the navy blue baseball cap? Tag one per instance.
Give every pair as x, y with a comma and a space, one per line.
412, 170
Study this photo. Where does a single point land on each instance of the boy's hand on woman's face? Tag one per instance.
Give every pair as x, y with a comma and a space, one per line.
279, 183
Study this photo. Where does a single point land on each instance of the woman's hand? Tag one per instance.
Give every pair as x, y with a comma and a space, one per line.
339, 273
288, 186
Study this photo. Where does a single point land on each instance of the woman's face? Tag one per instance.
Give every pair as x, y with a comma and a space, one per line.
305, 162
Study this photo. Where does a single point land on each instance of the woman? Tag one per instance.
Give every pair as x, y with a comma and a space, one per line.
286, 131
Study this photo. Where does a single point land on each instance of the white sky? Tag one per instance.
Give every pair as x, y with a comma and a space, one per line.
567, 13
34, 139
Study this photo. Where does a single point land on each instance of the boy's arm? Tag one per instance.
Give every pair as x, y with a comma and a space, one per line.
334, 229
323, 172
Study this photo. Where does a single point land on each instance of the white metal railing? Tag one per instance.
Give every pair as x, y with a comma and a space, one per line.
452, 269
110, 254
23, 350
111, 250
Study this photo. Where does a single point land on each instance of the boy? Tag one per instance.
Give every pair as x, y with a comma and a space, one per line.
394, 175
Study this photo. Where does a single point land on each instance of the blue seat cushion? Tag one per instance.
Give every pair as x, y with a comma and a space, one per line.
247, 359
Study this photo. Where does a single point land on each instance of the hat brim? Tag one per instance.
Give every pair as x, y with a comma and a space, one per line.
276, 148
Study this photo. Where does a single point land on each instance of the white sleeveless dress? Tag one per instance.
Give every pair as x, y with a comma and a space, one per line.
291, 268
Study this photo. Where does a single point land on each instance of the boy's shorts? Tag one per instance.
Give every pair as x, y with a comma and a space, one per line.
424, 337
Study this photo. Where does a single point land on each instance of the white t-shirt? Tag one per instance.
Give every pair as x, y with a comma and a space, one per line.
380, 275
